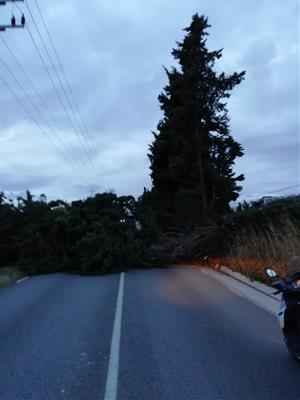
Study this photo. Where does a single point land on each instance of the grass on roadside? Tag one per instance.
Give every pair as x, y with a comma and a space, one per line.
250, 252
9, 275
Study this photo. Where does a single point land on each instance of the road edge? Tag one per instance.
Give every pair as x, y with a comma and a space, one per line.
222, 269
260, 287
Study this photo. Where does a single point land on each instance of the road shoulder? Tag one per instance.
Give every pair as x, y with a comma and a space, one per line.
255, 292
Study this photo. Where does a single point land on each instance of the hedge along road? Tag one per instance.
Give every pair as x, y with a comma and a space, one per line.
156, 334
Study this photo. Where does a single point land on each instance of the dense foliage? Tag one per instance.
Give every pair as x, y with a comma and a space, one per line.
257, 215
96, 235
193, 154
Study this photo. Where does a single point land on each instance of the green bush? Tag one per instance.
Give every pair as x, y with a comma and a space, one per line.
93, 236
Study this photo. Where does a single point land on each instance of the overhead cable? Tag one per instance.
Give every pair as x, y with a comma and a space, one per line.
72, 152
82, 123
32, 117
81, 138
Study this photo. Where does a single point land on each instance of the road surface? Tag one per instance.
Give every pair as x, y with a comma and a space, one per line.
167, 334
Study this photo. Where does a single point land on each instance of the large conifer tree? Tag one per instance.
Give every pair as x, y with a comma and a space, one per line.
193, 154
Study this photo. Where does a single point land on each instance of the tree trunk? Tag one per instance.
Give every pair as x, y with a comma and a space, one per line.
199, 142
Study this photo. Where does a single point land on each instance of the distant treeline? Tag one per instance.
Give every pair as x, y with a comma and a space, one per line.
107, 233
98, 235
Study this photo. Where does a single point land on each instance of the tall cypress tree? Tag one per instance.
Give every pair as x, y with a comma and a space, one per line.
193, 153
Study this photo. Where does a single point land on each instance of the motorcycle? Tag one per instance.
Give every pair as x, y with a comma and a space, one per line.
289, 313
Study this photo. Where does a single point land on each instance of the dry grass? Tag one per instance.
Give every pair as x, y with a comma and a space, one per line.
250, 252
9, 275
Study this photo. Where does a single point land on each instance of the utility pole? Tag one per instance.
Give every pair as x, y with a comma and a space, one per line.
13, 24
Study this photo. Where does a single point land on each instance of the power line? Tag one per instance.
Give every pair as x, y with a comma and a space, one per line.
256, 195
53, 84
51, 80
40, 99
286, 188
80, 137
85, 130
39, 113
23, 105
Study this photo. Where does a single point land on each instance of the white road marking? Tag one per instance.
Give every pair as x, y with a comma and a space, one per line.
111, 388
22, 279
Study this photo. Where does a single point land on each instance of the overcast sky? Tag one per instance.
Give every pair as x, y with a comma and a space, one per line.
112, 53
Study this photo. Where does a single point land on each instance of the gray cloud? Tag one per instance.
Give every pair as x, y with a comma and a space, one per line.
113, 55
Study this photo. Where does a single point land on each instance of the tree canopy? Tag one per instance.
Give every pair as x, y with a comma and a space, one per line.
193, 153
96, 235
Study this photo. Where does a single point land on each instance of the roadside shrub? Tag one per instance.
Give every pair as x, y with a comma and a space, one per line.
262, 235
93, 236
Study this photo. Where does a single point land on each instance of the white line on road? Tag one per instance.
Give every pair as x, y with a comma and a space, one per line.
22, 279
111, 388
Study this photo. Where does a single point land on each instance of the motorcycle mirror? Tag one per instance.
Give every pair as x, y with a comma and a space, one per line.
271, 273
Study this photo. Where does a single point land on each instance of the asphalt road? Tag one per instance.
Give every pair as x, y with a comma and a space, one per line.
183, 335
